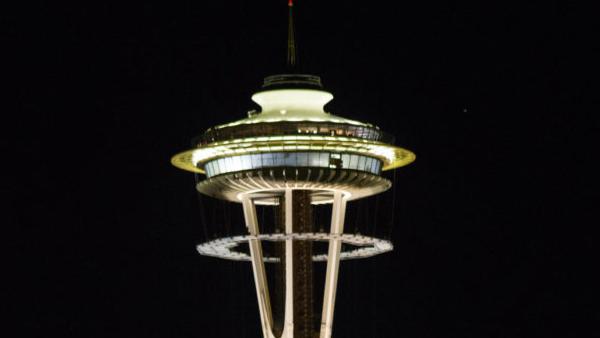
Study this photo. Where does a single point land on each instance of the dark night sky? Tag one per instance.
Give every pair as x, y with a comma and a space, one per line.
493, 237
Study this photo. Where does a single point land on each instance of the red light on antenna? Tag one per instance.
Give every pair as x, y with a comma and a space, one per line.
290, 3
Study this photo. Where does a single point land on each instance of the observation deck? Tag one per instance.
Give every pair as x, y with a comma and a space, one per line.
291, 143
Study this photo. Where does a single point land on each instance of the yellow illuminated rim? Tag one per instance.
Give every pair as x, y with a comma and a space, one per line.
391, 156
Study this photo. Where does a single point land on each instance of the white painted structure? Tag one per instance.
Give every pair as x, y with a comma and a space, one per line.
260, 279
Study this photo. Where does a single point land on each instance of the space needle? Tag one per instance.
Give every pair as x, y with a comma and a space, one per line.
292, 156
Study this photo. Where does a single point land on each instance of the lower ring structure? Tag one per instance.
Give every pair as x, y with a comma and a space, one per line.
365, 246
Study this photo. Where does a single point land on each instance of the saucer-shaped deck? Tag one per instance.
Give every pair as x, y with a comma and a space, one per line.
266, 184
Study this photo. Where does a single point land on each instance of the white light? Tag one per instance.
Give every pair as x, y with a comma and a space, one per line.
391, 156
366, 246
296, 105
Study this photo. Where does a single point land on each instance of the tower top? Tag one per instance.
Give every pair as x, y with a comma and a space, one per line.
292, 81
291, 45
292, 120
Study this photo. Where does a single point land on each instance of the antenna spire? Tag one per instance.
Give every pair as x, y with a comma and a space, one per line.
291, 50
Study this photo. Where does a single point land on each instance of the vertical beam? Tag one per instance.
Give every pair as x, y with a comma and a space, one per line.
277, 291
303, 266
258, 268
333, 263
288, 329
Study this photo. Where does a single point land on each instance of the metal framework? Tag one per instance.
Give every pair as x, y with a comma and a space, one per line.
258, 260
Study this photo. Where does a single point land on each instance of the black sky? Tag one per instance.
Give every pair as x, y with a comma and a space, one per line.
494, 232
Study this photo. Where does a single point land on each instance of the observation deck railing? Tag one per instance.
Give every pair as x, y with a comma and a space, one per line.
292, 128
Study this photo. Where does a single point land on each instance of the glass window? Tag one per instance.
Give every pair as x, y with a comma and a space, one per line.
302, 160
240, 162
236, 164
314, 159
231, 163
345, 161
368, 164
220, 166
246, 163
353, 161
361, 163
278, 160
289, 159
267, 160
323, 159
256, 161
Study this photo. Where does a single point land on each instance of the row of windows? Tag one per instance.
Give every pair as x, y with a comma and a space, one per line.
293, 128
292, 159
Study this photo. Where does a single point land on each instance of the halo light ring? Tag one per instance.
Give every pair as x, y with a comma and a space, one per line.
366, 246
392, 156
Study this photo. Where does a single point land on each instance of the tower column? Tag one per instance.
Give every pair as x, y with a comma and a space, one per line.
333, 263
288, 329
258, 268
303, 266
297, 267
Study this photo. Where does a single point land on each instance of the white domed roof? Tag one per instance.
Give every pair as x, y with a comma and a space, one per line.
293, 105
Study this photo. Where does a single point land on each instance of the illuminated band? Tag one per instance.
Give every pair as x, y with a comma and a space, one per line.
365, 246
292, 159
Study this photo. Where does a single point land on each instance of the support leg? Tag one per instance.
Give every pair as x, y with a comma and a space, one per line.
333, 264
288, 330
258, 267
